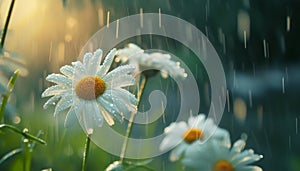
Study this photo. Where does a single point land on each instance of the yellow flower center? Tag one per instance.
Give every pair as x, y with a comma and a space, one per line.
89, 88
223, 165
192, 134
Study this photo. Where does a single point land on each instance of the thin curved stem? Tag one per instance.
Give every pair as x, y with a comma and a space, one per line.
3, 36
86, 152
24, 133
130, 122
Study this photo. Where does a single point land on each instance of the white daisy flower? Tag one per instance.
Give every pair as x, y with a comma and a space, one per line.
198, 130
216, 156
134, 55
91, 92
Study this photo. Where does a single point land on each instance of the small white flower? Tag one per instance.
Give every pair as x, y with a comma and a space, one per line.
216, 156
135, 55
90, 92
197, 130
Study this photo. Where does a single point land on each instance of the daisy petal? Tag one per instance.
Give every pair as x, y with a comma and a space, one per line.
178, 151
109, 107
71, 117
54, 90
124, 69
94, 62
86, 59
99, 118
107, 63
51, 101
126, 96
194, 121
238, 146
249, 168
107, 117
67, 70
88, 112
59, 79
64, 103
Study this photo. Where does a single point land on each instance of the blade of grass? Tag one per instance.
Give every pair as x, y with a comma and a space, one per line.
10, 87
10, 154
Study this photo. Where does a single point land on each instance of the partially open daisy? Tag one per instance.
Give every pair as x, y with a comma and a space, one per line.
91, 92
198, 129
216, 156
136, 56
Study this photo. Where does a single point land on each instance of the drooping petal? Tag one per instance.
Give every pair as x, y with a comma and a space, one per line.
64, 103
59, 79
51, 101
107, 63
71, 117
99, 117
109, 107
54, 90
109, 120
87, 116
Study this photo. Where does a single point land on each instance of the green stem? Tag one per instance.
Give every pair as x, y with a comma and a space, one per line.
7, 22
27, 155
10, 87
130, 122
86, 152
25, 134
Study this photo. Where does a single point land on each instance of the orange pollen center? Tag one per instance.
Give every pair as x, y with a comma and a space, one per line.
89, 88
192, 134
223, 165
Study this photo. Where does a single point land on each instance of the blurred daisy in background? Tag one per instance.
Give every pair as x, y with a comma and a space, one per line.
91, 92
136, 56
197, 130
219, 156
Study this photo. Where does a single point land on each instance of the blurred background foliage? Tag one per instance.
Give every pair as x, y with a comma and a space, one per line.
257, 41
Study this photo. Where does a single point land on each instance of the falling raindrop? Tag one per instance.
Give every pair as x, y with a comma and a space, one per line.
245, 39
141, 18
228, 102
117, 29
159, 17
296, 127
288, 23
283, 85
250, 98
290, 142
107, 19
